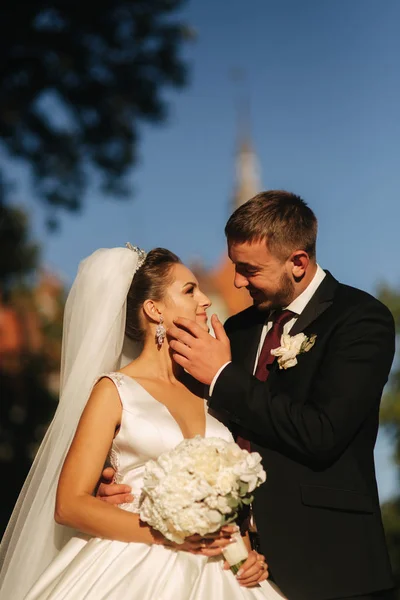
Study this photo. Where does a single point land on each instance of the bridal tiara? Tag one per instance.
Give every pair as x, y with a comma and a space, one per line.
140, 253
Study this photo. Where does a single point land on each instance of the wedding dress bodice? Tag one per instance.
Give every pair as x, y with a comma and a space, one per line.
147, 430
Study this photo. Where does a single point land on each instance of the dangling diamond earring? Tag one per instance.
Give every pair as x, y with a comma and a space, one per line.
161, 332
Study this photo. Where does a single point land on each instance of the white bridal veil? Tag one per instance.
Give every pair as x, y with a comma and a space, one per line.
93, 336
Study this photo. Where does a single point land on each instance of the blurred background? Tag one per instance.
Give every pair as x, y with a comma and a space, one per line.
149, 121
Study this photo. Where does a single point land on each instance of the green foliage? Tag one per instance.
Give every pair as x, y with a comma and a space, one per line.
77, 79
18, 255
391, 518
390, 420
391, 297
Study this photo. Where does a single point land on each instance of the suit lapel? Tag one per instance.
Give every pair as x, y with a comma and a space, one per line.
320, 301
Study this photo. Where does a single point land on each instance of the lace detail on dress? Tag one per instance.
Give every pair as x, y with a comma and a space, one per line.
118, 478
119, 378
114, 462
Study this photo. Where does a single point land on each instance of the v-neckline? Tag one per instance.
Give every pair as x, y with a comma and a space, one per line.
167, 409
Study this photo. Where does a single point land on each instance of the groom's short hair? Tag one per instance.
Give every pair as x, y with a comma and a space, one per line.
280, 218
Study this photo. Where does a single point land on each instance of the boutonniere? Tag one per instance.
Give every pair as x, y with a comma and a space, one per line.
291, 346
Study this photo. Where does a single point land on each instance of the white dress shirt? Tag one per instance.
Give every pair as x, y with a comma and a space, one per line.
297, 307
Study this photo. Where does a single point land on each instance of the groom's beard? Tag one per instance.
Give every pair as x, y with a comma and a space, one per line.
281, 298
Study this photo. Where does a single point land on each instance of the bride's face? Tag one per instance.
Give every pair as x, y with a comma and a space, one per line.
183, 298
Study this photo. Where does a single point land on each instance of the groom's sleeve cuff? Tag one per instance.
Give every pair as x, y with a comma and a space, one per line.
214, 381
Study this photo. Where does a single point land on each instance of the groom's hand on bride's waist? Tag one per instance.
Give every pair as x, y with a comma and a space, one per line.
113, 493
198, 352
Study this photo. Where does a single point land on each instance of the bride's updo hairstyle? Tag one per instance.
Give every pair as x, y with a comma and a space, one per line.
150, 282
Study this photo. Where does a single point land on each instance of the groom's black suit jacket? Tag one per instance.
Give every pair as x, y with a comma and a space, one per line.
315, 426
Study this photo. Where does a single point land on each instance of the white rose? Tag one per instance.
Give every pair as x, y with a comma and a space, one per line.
253, 460
290, 347
226, 482
293, 342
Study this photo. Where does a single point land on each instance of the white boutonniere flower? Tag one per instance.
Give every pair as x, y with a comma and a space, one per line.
291, 346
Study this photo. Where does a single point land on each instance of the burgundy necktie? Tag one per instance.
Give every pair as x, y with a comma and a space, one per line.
272, 341
265, 360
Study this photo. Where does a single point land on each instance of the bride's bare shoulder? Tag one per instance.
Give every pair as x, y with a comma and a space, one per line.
106, 388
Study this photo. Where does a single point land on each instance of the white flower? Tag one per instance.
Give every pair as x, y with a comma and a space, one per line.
252, 472
291, 346
198, 486
219, 503
226, 481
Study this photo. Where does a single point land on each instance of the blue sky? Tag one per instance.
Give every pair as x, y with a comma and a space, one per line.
323, 80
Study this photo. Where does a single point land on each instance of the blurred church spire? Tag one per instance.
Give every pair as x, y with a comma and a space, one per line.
247, 178
218, 282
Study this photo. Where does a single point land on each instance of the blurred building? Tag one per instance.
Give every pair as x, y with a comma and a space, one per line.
217, 282
31, 325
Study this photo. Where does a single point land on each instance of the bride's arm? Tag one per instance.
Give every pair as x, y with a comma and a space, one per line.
75, 505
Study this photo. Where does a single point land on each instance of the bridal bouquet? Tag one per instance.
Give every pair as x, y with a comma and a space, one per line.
199, 486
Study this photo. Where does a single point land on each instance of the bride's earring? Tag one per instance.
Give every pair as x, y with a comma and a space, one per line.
161, 332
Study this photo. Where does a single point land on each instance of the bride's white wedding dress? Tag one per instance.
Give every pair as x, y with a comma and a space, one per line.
90, 568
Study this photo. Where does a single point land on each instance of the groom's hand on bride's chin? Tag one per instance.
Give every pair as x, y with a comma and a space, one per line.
113, 493
201, 354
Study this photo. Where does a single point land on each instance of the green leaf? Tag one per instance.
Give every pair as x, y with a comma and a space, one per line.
247, 499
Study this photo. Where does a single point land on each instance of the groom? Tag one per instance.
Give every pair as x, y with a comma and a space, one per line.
312, 411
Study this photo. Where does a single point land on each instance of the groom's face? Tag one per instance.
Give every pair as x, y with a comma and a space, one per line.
266, 277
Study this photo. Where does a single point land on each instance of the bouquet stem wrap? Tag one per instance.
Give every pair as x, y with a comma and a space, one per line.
236, 554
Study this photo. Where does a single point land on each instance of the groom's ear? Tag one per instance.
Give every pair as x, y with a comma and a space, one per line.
151, 311
300, 261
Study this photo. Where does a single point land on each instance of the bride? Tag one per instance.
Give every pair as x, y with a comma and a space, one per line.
124, 406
